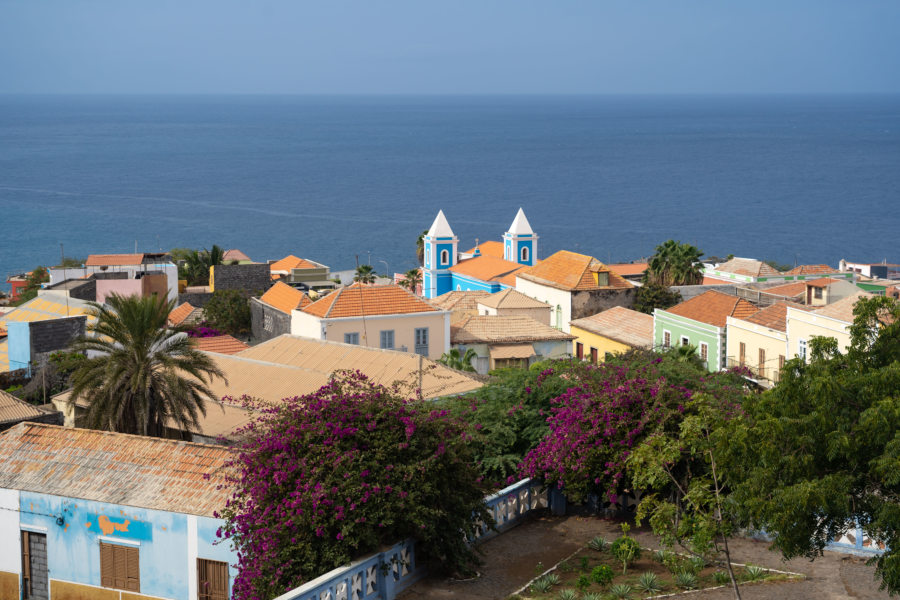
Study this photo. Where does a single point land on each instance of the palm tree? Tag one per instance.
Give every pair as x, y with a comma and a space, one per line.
420, 247
197, 264
140, 377
456, 360
412, 279
674, 264
365, 274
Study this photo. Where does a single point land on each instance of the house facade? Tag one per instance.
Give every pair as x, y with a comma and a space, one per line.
612, 331
759, 342
832, 321
508, 341
97, 515
130, 264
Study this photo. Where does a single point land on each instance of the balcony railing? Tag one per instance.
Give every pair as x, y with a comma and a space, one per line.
763, 374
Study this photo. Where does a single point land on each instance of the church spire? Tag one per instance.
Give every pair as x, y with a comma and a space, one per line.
440, 227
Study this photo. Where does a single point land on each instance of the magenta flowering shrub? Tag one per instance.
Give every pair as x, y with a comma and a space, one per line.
606, 412
326, 478
203, 331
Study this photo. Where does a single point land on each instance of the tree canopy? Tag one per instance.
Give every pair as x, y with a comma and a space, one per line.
674, 263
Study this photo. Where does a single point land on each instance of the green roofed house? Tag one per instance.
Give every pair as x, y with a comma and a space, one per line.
700, 322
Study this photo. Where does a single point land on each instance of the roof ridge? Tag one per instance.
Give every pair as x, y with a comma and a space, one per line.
100, 432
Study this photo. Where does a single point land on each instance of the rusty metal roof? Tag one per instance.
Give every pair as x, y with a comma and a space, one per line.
115, 468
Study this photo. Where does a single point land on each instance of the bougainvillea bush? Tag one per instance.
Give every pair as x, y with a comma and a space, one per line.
326, 478
608, 410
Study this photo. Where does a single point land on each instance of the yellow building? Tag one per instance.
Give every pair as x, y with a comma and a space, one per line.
611, 332
759, 341
833, 321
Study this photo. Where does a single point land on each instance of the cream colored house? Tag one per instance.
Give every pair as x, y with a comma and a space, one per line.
759, 341
378, 316
833, 321
510, 341
512, 303
612, 331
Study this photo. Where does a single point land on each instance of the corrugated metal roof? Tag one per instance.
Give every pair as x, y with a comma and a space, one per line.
115, 468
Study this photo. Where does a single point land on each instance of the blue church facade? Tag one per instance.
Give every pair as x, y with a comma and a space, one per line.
442, 270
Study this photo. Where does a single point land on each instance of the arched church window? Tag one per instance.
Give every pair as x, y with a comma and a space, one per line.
525, 254
445, 257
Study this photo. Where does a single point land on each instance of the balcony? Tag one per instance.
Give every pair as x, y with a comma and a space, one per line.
765, 376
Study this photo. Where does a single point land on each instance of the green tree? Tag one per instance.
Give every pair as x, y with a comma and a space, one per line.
229, 311
420, 247
141, 377
457, 360
674, 263
70, 262
651, 296
821, 451
194, 265
412, 279
365, 274
33, 282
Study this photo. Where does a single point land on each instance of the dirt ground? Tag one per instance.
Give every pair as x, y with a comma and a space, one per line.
515, 557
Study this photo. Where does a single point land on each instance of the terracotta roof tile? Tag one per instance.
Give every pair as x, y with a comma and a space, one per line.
116, 468
788, 290
620, 324
223, 344
180, 314
100, 260
624, 269
358, 300
292, 262
511, 299
285, 298
713, 307
748, 266
459, 300
811, 270
12, 409
234, 254
476, 329
489, 248
775, 316
572, 271
823, 282
842, 310
486, 268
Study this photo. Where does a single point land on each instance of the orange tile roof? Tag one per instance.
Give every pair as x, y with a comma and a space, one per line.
811, 270
475, 329
486, 268
223, 344
511, 299
572, 271
823, 282
789, 290
127, 470
292, 262
234, 254
368, 300
624, 269
100, 260
621, 324
179, 314
285, 298
748, 266
460, 300
775, 316
489, 248
713, 307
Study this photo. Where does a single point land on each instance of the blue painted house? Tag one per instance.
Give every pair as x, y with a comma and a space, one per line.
91, 514
490, 267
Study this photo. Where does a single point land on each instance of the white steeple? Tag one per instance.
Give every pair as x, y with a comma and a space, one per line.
520, 225
440, 227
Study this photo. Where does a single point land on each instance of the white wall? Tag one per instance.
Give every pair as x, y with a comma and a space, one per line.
10, 557
552, 296
306, 325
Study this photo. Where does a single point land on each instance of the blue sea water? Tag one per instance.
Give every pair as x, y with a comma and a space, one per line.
790, 178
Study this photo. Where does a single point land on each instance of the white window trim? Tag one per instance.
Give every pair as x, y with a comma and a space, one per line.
704, 346
445, 257
524, 254
684, 340
118, 541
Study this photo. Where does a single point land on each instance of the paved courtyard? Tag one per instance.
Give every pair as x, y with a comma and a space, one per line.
512, 559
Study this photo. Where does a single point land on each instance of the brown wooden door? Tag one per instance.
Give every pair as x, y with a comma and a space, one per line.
579, 350
594, 355
212, 579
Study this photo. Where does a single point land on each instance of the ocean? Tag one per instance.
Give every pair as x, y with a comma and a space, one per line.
808, 179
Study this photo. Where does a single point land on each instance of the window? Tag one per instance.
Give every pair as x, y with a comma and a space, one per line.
525, 254
594, 355
742, 356
351, 338
685, 341
817, 293
120, 567
421, 338
212, 580
762, 362
704, 351
579, 350
267, 322
667, 339
445, 257
801, 349
387, 339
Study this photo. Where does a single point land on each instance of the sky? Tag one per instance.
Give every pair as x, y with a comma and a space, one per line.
449, 47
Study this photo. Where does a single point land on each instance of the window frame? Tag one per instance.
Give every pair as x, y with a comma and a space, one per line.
218, 564
524, 254
445, 257
667, 339
120, 552
382, 335
349, 337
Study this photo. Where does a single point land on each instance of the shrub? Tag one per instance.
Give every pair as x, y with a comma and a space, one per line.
583, 564
325, 478
625, 548
721, 578
591, 596
583, 583
754, 573
568, 594
229, 311
602, 574
698, 563
686, 580
553, 578
541, 586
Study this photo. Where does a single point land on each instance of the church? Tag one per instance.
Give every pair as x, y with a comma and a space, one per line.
490, 266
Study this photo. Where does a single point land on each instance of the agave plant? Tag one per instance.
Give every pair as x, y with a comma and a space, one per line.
755, 573
620, 590
649, 582
541, 585
592, 596
553, 578
598, 544
698, 563
686, 580
660, 556
567, 594
721, 578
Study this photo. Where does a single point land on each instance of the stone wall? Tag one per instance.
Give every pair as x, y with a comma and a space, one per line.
590, 302
254, 278
267, 322
195, 299
55, 334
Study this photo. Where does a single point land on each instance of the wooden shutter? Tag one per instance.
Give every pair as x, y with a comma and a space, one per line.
132, 570
594, 355
579, 350
212, 580
762, 362
107, 565
120, 567
26, 564
743, 353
